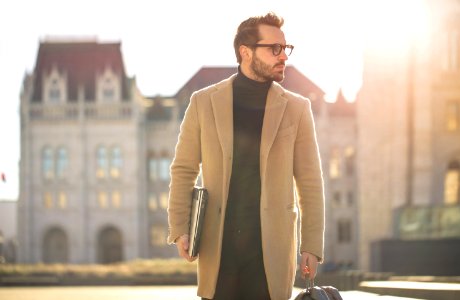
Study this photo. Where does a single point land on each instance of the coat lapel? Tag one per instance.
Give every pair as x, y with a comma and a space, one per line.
222, 107
274, 111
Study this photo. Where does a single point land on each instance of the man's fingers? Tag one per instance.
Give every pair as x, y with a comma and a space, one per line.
185, 245
182, 247
308, 265
303, 267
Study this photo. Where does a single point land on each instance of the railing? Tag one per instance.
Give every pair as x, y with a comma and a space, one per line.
54, 112
73, 111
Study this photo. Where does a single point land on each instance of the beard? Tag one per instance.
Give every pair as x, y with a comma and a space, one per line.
266, 72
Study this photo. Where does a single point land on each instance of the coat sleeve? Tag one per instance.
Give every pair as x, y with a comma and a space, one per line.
309, 186
184, 172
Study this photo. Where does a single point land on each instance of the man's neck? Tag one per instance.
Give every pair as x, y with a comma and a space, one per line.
242, 81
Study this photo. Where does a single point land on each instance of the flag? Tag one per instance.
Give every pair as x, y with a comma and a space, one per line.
3, 177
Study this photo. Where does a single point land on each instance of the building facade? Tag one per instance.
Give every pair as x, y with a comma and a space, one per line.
409, 141
80, 192
95, 157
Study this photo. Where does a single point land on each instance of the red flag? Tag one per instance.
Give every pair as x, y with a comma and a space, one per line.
3, 177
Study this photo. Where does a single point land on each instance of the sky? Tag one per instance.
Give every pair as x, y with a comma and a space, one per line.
164, 43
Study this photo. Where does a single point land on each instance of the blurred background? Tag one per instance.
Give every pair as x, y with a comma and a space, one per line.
93, 93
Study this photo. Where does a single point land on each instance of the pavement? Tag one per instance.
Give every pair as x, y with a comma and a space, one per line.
138, 293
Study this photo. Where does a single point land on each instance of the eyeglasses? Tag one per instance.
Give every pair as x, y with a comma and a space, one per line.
276, 48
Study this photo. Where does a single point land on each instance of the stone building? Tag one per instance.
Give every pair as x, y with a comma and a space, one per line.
408, 120
82, 168
95, 157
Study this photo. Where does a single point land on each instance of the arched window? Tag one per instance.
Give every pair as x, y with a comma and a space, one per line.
108, 90
48, 163
54, 89
116, 162
452, 184
108, 86
102, 162
54, 92
62, 162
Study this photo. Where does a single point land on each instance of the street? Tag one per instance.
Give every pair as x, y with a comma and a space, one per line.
135, 292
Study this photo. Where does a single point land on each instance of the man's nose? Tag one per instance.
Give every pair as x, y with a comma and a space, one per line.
283, 56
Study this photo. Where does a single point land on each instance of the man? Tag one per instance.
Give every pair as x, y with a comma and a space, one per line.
252, 140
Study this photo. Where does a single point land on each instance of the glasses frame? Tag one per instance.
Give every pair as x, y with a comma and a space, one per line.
274, 46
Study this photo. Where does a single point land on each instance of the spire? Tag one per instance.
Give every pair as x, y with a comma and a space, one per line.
340, 97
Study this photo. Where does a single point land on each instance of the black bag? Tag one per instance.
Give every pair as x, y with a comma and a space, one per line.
313, 292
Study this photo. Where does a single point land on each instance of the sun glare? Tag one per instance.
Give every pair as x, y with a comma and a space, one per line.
387, 28
392, 25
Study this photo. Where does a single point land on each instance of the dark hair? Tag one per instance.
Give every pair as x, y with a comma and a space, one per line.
248, 31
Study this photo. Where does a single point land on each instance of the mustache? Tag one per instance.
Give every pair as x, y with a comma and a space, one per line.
280, 64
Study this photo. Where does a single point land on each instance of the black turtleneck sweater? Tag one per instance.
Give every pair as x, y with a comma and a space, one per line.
243, 206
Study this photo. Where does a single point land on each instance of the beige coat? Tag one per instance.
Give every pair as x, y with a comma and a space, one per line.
288, 155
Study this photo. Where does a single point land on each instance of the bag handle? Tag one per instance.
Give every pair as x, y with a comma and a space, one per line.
310, 283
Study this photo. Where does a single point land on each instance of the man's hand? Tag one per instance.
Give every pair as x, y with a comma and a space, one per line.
182, 245
308, 265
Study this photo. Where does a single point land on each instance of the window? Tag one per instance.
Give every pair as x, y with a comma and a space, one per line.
158, 167
349, 160
153, 169
54, 91
334, 164
452, 184
452, 115
48, 200
350, 198
62, 200
153, 203
108, 86
116, 162
62, 162
48, 163
54, 94
108, 91
102, 200
164, 163
54, 86
164, 200
337, 198
158, 235
102, 163
116, 199
344, 231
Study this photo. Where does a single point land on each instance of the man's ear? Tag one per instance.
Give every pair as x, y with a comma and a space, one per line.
245, 52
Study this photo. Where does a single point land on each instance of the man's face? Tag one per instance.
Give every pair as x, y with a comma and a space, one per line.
264, 65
